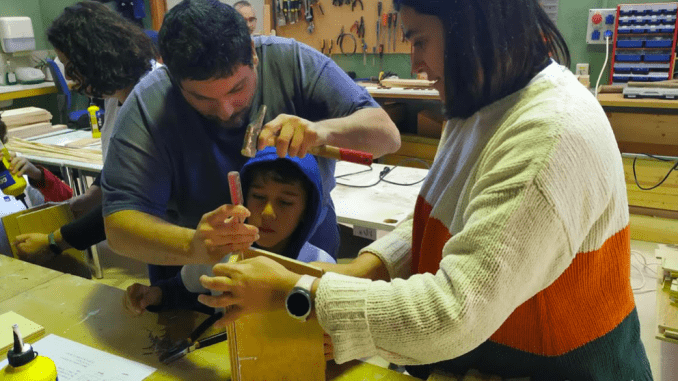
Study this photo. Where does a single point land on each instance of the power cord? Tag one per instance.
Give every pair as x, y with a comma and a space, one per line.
644, 265
384, 172
607, 56
635, 176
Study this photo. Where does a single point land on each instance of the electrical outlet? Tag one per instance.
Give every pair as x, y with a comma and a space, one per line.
599, 22
582, 69
361, 231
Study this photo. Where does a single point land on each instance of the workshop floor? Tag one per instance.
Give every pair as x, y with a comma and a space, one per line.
121, 272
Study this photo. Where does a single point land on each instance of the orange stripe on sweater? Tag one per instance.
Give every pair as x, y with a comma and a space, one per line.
428, 238
587, 301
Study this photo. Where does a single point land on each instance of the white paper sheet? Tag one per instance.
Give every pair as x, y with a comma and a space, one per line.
78, 362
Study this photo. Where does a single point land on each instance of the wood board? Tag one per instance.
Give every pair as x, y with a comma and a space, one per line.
29, 329
36, 129
53, 151
273, 345
25, 116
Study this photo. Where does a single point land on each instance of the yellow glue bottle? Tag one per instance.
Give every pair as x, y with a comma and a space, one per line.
10, 184
25, 364
94, 121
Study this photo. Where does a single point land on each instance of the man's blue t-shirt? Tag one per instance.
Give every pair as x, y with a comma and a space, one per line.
166, 160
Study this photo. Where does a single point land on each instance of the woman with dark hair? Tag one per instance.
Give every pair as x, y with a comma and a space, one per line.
106, 55
516, 261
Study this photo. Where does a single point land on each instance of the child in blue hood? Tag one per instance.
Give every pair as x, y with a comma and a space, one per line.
283, 196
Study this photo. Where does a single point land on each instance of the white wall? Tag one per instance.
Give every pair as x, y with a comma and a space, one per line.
258, 6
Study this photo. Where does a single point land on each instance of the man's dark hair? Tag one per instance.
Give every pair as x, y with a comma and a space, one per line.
242, 3
492, 48
106, 52
204, 39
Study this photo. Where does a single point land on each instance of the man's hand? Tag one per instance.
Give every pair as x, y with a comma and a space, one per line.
254, 285
138, 297
33, 247
291, 135
221, 232
20, 165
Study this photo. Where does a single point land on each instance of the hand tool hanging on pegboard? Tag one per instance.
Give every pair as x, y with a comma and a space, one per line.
342, 38
394, 15
320, 6
308, 15
362, 8
279, 15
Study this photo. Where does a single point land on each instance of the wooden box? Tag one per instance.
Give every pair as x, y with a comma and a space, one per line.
45, 219
273, 345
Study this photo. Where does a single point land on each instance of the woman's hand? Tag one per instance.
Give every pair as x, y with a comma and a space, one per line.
254, 285
139, 296
33, 247
19, 166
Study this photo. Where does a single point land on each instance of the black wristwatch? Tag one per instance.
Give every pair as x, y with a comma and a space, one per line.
53, 245
299, 302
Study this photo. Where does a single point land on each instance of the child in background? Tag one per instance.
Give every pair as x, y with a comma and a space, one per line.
283, 197
43, 186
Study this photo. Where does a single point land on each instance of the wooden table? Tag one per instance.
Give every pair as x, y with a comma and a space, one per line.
643, 125
18, 276
91, 313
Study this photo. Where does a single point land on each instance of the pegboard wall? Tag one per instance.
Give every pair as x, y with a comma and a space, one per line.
328, 26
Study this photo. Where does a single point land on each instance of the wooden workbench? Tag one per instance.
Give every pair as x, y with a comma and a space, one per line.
91, 313
643, 125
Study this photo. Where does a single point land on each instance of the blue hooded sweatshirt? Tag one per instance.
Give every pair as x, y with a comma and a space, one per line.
181, 291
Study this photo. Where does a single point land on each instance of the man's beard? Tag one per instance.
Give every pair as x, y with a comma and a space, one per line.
236, 121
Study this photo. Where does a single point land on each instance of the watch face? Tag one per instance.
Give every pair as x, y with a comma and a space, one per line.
298, 304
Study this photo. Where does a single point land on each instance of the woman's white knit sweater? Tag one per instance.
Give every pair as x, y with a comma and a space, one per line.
519, 240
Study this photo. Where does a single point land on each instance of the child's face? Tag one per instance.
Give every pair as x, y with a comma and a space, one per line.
276, 209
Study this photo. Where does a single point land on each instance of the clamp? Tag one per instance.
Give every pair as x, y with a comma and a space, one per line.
359, 27
362, 8
340, 41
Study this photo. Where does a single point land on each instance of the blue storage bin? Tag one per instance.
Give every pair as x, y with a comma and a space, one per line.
623, 31
658, 43
639, 79
629, 43
622, 69
654, 22
629, 57
638, 30
640, 70
626, 22
627, 12
620, 78
666, 30
657, 57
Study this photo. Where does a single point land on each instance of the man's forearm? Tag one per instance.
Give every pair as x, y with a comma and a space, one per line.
369, 129
148, 238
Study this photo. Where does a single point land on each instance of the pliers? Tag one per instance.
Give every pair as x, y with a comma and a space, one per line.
359, 27
337, 3
362, 8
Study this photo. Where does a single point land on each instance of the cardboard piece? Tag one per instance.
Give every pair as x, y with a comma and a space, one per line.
29, 329
273, 345
45, 219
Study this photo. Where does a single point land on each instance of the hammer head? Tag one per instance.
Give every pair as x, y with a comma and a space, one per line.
249, 144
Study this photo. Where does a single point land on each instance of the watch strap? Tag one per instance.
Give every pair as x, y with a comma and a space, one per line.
305, 282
